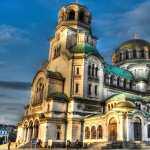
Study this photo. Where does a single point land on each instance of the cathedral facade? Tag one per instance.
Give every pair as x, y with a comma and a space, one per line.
76, 95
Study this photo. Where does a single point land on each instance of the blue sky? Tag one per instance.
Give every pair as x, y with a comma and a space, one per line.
26, 25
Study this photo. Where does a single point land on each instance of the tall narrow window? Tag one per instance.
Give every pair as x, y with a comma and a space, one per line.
99, 132
127, 55
95, 90
77, 71
89, 70
77, 88
148, 108
71, 15
89, 89
93, 70
93, 132
96, 72
148, 131
134, 53
58, 134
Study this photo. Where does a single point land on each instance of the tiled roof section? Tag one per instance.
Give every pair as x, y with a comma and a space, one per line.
113, 70
86, 48
55, 75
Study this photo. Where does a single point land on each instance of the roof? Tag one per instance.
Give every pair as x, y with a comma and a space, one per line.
113, 70
86, 48
133, 44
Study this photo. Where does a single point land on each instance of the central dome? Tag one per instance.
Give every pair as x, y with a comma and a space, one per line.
133, 44
132, 49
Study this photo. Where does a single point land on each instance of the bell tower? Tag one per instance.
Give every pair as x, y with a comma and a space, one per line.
73, 27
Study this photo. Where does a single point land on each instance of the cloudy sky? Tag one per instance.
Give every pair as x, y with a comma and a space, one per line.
26, 25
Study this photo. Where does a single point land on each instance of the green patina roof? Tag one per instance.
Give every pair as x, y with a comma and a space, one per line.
110, 69
86, 48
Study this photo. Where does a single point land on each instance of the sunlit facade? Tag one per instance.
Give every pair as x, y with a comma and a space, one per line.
76, 95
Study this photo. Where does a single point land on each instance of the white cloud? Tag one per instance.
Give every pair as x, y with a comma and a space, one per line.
10, 34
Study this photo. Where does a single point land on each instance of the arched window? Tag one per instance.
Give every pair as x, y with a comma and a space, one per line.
96, 87
109, 107
87, 133
58, 132
89, 70
148, 108
39, 92
124, 83
130, 84
89, 89
99, 132
71, 15
93, 68
118, 81
142, 53
96, 72
148, 131
149, 53
93, 132
127, 55
120, 57
137, 129
81, 16
111, 80
134, 53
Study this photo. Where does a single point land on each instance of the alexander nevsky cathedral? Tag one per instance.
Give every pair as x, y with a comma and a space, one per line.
76, 95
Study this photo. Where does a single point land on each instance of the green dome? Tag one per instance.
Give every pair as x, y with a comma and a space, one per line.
133, 44
87, 49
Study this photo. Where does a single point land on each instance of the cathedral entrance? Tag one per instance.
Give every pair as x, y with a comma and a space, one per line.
137, 130
112, 129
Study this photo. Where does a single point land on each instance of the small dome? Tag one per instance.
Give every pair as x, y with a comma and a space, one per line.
125, 104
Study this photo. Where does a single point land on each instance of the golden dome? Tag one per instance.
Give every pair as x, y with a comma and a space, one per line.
126, 105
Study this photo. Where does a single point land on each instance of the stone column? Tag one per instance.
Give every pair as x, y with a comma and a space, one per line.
120, 128
27, 135
33, 132
130, 129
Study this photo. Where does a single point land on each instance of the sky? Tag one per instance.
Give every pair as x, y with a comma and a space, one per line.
26, 26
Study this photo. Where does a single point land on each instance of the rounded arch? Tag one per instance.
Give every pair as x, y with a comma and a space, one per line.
26, 124
112, 129
87, 132
93, 132
81, 15
137, 125
71, 14
38, 91
99, 132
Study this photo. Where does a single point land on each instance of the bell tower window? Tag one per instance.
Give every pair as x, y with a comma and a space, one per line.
71, 15
76, 88
81, 16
